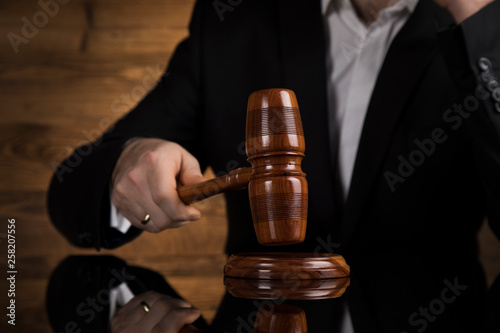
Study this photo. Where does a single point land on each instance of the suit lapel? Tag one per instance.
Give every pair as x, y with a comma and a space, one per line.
408, 55
302, 44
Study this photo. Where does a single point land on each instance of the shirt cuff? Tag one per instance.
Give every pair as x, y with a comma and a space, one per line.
117, 220
118, 297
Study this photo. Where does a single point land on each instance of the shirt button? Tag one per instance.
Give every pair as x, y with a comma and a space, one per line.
496, 94
484, 64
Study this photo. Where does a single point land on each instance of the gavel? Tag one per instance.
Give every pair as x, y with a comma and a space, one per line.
272, 318
282, 318
277, 186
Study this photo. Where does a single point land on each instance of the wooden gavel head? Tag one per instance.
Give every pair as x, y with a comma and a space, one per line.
276, 184
275, 147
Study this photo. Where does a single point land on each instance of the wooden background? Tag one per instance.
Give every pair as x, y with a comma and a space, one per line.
64, 83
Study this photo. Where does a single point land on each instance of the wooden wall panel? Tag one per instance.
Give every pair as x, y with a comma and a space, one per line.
66, 80
170, 15
131, 41
72, 14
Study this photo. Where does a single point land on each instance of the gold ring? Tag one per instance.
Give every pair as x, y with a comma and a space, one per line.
145, 306
146, 219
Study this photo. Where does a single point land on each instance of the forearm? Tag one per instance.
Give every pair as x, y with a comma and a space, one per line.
78, 198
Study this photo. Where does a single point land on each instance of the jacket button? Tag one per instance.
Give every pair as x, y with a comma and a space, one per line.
492, 85
484, 64
497, 107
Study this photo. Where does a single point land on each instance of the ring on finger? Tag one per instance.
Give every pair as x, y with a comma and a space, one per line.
146, 219
145, 306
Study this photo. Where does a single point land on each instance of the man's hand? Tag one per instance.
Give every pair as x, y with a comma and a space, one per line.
462, 9
145, 181
166, 315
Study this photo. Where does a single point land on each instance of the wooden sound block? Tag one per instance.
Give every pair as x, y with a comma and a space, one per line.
286, 266
286, 289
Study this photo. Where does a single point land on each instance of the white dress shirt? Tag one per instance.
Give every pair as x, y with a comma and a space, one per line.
355, 54
119, 297
117, 220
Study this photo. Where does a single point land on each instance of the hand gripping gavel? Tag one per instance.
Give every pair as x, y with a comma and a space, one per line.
276, 184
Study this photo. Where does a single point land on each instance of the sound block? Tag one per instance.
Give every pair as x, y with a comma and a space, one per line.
286, 266
286, 289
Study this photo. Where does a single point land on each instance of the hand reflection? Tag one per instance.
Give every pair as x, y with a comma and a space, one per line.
154, 312
84, 293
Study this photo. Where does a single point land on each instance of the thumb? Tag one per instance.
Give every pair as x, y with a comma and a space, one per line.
190, 172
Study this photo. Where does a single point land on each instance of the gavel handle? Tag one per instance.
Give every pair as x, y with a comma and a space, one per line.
234, 180
190, 329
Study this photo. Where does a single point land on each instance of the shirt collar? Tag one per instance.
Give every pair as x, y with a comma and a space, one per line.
400, 5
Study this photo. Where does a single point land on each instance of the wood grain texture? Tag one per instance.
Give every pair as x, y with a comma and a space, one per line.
280, 318
287, 289
91, 63
275, 147
286, 266
69, 78
235, 180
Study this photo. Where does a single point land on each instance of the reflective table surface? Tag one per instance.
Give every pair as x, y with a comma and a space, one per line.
82, 297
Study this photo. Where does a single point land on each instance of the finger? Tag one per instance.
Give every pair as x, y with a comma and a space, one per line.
133, 199
158, 219
164, 193
162, 308
189, 171
176, 320
134, 310
179, 213
125, 199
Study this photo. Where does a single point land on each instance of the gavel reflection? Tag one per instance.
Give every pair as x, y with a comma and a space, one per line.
276, 184
281, 318
273, 318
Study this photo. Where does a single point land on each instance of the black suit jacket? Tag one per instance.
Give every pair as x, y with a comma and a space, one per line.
78, 292
414, 207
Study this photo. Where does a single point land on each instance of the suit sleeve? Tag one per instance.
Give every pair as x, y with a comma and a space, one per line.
78, 198
472, 53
